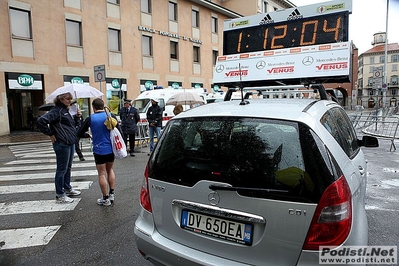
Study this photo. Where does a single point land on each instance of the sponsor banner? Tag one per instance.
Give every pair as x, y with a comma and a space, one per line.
344, 255
327, 60
289, 14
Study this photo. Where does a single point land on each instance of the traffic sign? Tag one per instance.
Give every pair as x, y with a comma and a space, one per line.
377, 72
99, 73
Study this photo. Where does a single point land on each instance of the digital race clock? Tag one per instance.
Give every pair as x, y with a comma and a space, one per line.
322, 29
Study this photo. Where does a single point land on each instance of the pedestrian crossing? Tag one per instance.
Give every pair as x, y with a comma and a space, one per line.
32, 171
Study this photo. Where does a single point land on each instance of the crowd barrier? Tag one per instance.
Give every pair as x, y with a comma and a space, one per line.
142, 136
377, 123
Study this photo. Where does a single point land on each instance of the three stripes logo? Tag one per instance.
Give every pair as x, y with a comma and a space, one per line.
266, 20
295, 15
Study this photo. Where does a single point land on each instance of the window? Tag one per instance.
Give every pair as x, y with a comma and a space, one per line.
114, 2
395, 58
172, 11
382, 59
372, 60
196, 54
146, 6
195, 18
340, 127
73, 33
147, 45
395, 67
371, 81
394, 80
173, 50
20, 23
214, 25
394, 92
264, 6
214, 56
114, 40
371, 69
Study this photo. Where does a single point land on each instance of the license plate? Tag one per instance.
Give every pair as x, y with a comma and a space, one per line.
216, 227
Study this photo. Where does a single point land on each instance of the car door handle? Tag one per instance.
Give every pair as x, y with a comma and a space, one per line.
361, 170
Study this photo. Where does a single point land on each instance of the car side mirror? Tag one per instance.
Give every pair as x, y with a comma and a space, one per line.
368, 141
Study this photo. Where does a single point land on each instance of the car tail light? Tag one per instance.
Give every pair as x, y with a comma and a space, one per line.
145, 193
332, 220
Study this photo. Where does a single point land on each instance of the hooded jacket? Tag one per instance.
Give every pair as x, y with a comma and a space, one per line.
60, 123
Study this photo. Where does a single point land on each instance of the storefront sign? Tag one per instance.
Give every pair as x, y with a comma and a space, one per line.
24, 82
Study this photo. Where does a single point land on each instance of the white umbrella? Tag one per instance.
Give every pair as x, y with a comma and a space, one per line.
77, 90
185, 98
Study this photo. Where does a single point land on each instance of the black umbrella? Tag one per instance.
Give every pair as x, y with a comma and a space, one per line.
46, 107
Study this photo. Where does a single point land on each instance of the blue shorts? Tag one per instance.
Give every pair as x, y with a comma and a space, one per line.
102, 159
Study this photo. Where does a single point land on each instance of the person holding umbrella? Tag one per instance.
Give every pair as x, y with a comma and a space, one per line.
59, 125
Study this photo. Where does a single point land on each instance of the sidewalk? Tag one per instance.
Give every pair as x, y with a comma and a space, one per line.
22, 137
18, 138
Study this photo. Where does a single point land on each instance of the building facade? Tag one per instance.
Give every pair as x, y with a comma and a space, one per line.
373, 80
120, 47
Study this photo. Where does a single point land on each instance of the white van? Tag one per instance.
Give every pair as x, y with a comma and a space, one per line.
142, 102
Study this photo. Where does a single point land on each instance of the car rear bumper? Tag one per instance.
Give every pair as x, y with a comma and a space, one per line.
162, 251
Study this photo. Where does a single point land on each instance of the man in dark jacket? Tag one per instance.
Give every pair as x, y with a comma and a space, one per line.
59, 125
78, 123
154, 118
129, 118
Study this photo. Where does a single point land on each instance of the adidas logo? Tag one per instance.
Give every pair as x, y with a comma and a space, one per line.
295, 15
266, 20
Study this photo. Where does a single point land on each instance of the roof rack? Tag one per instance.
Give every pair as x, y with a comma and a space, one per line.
285, 89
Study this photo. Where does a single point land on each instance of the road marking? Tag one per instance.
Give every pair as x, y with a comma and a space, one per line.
43, 167
390, 170
38, 206
74, 174
40, 187
27, 237
46, 161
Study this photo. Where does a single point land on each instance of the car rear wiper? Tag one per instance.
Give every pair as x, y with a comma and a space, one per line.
250, 189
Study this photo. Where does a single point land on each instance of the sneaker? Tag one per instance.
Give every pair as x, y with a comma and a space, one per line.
104, 202
63, 199
132, 154
82, 159
71, 192
111, 197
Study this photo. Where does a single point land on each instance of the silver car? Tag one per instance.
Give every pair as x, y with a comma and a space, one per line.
264, 183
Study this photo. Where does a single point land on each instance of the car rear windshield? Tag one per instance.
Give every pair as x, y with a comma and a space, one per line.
258, 154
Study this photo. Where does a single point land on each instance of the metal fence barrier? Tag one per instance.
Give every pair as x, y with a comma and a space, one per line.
379, 124
142, 136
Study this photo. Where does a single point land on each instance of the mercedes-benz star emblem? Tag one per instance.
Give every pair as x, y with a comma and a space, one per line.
219, 68
307, 61
214, 198
261, 64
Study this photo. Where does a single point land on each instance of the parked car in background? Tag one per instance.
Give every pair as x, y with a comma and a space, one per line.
262, 183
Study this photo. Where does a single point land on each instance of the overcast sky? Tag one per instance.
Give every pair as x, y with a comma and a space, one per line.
368, 17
